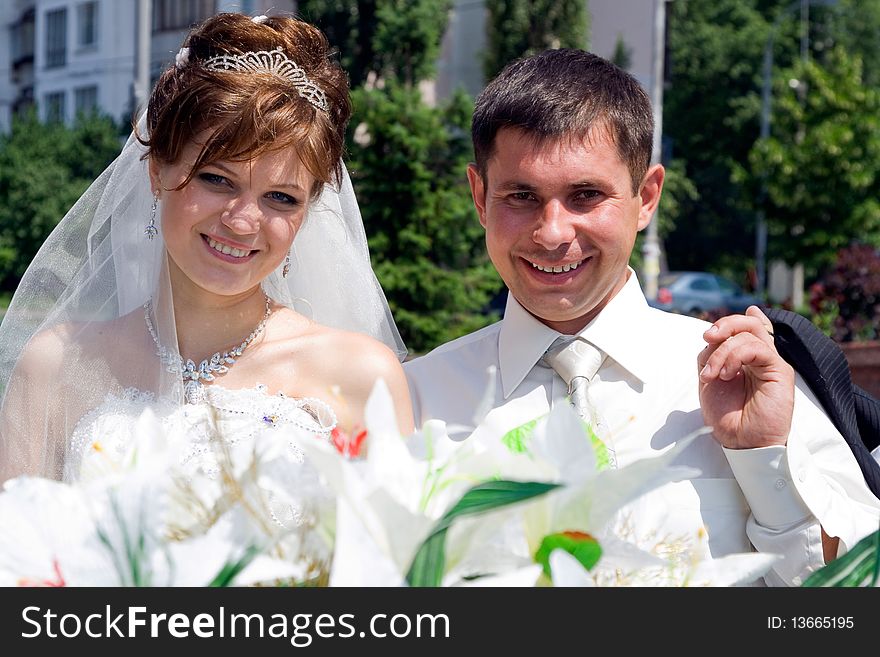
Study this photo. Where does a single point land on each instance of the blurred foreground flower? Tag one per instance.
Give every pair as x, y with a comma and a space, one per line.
139, 520
427, 510
536, 506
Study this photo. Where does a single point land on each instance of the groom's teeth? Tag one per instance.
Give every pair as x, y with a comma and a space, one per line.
226, 249
557, 269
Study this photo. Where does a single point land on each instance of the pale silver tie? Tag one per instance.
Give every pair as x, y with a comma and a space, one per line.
576, 361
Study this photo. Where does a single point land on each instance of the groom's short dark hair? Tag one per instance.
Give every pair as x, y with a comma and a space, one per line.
565, 93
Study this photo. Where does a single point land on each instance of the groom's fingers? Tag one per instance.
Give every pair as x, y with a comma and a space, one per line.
754, 322
736, 342
743, 350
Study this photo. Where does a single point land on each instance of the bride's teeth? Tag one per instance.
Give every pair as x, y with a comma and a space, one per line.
227, 250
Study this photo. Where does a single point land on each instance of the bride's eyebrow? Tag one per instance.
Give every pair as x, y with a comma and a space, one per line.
278, 185
221, 166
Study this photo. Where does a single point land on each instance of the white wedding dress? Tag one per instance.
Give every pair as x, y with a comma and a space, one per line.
193, 430
234, 462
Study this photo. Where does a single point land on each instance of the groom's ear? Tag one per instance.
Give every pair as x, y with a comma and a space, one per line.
478, 191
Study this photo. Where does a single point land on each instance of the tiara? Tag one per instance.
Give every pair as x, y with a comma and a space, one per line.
276, 63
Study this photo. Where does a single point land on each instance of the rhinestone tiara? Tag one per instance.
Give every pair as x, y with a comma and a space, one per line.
276, 63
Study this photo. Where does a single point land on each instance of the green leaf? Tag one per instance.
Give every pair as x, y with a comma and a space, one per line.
581, 546
517, 440
430, 560
231, 569
858, 567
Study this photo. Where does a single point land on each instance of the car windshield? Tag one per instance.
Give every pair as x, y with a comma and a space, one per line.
728, 288
667, 279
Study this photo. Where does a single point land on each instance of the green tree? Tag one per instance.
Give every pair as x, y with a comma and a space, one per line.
716, 50
622, 53
821, 163
408, 162
408, 165
44, 169
710, 112
382, 38
350, 26
518, 28
679, 196
853, 25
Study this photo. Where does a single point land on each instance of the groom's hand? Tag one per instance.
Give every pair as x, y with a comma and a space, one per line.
746, 387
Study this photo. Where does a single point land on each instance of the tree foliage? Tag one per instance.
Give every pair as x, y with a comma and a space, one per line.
350, 26
44, 169
716, 50
623, 54
518, 28
382, 38
408, 165
821, 164
711, 111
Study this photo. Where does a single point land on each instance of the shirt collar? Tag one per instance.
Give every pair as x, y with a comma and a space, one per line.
618, 331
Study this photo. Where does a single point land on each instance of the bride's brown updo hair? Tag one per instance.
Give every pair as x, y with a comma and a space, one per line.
243, 114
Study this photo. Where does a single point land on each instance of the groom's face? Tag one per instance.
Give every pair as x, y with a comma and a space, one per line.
561, 219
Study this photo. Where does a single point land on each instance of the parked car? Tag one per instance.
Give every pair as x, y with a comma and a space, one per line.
701, 294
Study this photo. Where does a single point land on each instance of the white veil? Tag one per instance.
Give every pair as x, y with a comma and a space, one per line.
75, 333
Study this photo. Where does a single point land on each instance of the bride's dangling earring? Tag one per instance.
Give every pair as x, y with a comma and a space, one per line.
151, 231
286, 269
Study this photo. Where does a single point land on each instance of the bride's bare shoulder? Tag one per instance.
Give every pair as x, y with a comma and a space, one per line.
352, 352
51, 347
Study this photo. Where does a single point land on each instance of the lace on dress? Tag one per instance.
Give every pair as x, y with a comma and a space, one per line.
236, 415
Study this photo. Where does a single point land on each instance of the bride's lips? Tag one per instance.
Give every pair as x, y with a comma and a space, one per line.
234, 252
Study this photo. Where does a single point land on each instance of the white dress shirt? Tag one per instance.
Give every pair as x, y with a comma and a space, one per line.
776, 499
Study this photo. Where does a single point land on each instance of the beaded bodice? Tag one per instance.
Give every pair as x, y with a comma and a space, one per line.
237, 415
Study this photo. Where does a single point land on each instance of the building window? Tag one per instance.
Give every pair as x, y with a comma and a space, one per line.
87, 25
54, 103
181, 14
23, 39
56, 38
85, 100
24, 102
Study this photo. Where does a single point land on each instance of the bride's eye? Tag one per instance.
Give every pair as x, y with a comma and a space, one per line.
280, 197
212, 178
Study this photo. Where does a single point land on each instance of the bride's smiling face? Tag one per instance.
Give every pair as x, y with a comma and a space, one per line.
233, 223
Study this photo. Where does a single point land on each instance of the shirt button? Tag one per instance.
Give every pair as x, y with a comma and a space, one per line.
780, 484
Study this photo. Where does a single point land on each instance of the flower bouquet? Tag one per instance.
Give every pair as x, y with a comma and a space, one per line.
538, 506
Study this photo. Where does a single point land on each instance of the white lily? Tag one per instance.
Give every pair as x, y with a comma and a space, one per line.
117, 527
392, 498
559, 450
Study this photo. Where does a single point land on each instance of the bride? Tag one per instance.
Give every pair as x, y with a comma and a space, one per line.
217, 272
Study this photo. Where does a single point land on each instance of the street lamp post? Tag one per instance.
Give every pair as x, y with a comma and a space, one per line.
143, 29
651, 247
761, 217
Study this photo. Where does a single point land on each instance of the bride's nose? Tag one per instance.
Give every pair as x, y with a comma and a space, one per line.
242, 216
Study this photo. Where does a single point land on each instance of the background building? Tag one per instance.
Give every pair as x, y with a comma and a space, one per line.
67, 56
629, 22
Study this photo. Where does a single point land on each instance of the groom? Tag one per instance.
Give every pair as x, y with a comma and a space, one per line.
562, 184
